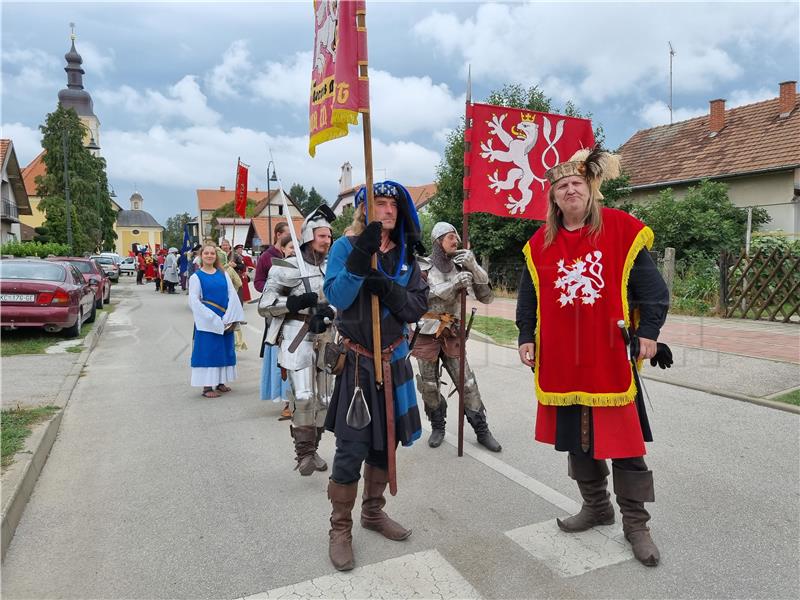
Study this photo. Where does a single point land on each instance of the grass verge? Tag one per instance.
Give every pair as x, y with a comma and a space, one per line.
790, 398
503, 331
30, 341
17, 425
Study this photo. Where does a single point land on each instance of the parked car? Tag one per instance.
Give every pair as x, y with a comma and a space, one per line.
91, 272
109, 265
46, 294
128, 265
117, 258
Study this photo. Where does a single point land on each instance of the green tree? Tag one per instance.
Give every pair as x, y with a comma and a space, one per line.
342, 222
700, 225
493, 237
92, 215
173, 232
314, 201
299, 196
228, 211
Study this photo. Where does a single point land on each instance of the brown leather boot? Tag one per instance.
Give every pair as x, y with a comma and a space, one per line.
592, 478
319, 462
373, 501
304, 447
633, 489
340, 546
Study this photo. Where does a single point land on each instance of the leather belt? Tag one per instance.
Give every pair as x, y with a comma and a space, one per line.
445, 320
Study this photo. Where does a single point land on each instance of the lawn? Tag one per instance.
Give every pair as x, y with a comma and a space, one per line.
17, 424
502, 331
790, 398
36, 341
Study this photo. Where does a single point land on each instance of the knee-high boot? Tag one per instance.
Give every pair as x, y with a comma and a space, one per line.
592, 478
340, 545
633, 489
437, 417
373, 501
319, 462
477, 418
304, 447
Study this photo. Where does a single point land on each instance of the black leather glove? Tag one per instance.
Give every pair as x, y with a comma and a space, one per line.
367, 244
298, 303
377, 283
317, 323
663, 356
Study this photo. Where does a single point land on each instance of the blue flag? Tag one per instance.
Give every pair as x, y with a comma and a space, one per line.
183, 262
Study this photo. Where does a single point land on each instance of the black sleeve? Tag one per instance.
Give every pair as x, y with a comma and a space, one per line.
526, 309
648, 292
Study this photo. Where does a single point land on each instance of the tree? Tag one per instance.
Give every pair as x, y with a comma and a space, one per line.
299, 196
173, 232
228, 210
92, 217
492, 237
342, 222
314, 201
701, 224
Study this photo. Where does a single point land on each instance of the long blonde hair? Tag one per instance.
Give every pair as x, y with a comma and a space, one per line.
217, 261
359, 223
593, 217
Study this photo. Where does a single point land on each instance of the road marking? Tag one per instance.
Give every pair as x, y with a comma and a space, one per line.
571, 554
420, 575
557, 499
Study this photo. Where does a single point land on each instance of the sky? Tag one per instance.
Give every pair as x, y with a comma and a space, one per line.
182, 89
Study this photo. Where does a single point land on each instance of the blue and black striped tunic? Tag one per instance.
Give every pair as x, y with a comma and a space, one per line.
406, 304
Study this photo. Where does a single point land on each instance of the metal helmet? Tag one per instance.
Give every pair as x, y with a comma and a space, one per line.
443, 228
322, 216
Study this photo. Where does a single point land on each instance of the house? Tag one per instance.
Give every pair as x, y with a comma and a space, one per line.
137, 226
754, 149
421, 194
270, 208
13, 194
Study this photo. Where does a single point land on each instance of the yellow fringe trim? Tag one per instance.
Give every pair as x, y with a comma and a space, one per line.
340, 119
643, 239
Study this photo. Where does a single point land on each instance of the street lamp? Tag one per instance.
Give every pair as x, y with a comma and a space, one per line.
273, 177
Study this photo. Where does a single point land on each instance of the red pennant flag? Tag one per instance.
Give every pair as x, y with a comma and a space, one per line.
338, 91
510, 150
240, 204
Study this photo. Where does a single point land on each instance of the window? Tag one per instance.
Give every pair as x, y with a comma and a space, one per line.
135, 232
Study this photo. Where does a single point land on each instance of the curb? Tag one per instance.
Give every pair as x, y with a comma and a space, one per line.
22, 475
766, 402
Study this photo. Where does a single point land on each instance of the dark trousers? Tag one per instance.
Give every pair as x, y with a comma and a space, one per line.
139, 276
350, 456
625, 464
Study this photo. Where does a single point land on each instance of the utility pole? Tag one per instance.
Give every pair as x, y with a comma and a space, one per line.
671, 54
66, 189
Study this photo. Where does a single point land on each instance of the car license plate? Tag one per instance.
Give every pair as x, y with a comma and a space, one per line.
17, 297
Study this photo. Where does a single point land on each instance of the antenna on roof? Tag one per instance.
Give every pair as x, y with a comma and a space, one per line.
671, 54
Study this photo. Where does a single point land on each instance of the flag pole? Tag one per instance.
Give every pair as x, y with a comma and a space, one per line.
235, 193
462, 334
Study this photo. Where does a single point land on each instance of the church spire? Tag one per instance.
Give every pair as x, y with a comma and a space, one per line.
74, 96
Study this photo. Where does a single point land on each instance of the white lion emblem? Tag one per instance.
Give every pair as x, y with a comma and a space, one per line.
584, 277
327, 17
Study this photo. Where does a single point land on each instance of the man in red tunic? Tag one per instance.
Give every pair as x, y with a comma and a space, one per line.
588, 273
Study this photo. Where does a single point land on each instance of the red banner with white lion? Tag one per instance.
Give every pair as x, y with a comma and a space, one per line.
510, 150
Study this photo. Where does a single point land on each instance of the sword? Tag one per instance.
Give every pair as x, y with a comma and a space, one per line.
414, 337
627, 339
466, 337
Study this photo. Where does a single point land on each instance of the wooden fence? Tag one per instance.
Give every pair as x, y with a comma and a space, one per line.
765, 285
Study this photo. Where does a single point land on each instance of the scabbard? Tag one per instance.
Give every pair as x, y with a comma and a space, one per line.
586, 417
391, 440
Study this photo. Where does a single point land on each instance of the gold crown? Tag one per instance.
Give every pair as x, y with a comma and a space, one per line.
528, 117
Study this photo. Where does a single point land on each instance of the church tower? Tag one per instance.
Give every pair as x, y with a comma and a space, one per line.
74, 96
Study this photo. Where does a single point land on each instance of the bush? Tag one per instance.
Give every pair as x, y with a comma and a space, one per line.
768, 241
695, 289
35, 249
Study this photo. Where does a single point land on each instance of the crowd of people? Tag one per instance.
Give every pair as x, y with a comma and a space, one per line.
591, 304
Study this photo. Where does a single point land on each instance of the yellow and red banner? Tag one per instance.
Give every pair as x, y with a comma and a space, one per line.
240, 199
338, 89
510, 152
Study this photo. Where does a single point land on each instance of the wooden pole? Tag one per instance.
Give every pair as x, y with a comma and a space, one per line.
462, 357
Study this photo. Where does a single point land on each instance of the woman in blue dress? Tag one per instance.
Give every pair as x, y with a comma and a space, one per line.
216, 309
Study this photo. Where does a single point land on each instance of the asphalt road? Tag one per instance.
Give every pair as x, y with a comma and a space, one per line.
152, 491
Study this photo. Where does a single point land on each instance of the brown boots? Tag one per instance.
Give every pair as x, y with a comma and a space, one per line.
373, 501
633, 489
343, 497
592, 478
306, 442
340, 546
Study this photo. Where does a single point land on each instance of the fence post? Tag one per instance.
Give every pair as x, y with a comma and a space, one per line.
668, 268
723, 284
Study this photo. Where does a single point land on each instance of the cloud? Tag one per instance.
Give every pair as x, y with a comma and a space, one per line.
657, 113
183, 101
742, 97
27, 141
285, 82
225, 78
30, 70
95, 62
591, 52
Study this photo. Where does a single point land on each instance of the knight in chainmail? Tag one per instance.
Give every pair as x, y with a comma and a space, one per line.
448, 271
299, 324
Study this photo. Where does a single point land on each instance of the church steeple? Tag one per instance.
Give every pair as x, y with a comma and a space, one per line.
74, 96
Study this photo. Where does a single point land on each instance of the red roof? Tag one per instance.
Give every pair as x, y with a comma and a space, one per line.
4, 146
420, 194
213, 199
261, 227
32, 171
754, 138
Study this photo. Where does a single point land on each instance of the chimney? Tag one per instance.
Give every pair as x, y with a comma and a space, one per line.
717, 120
222, 188
346, 179
788, 98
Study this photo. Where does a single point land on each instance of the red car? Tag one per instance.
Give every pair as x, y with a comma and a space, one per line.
47, 294
91, 272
